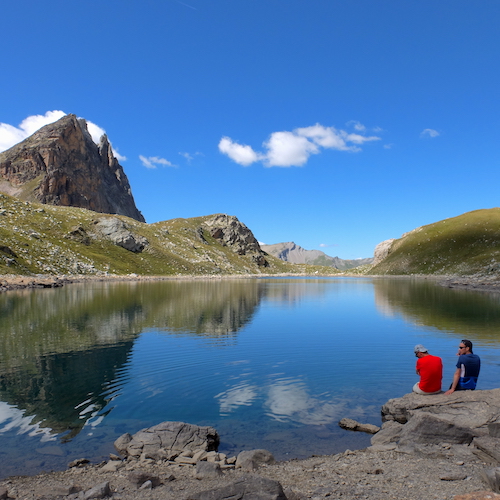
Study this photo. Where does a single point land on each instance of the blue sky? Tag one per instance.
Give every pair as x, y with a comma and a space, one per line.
333, 124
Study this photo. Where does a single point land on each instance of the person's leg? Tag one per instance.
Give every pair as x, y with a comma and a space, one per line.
417, 390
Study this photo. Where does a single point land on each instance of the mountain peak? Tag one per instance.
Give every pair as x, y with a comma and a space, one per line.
60, 164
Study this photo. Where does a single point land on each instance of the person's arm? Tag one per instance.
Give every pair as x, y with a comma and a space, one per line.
456, 378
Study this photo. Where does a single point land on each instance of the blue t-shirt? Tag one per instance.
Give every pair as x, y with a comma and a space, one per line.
469, 365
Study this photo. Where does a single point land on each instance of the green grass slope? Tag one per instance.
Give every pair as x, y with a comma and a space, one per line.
45, 239
465, 245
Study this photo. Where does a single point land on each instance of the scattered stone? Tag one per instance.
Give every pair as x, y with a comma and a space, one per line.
112, 466
487, 448
492, 478
79, 462
100, 491
245, 488
477, 495
58, 490
140, 477
200, 455
3, 493
206, 470
148, 485
251, 459
353, 425
453, 477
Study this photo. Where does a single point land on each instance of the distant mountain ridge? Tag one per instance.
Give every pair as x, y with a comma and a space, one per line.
295, 254
61, 165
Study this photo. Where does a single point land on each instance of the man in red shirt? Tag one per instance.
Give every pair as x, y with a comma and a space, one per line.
430, 369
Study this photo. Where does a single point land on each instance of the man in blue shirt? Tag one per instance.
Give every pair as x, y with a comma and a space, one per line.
468, 366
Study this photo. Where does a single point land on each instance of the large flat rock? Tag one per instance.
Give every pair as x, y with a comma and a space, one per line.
467, 418
472, 409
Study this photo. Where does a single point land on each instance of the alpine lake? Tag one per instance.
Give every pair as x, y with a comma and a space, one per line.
271, 363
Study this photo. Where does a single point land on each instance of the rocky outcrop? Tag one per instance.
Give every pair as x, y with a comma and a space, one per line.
117, 231
382, 250
420, 423
474, 409
230, 232
61, 165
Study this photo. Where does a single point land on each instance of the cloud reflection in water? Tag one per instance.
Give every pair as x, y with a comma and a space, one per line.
285, 400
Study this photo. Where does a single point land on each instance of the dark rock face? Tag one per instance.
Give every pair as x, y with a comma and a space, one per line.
61, 165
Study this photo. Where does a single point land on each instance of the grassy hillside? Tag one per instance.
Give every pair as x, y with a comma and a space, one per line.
45, 239
464, 245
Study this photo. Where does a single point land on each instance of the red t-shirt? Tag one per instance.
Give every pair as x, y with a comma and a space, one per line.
430, 369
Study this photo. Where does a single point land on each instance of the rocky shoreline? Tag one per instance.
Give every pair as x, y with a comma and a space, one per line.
443, 447
18, 282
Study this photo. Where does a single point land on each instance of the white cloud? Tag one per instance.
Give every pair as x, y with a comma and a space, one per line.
241, 154
96, 133
154, 161
190, 157
356, 125
429, 132
287, 149
10, 135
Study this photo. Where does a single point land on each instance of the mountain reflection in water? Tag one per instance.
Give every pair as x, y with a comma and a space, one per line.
271, 363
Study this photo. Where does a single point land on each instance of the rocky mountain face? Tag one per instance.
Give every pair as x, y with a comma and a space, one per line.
61, 165
229, 231
295, 254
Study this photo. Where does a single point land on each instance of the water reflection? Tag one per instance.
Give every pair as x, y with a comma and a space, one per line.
465, 312
62, 351
288, 400
85, 363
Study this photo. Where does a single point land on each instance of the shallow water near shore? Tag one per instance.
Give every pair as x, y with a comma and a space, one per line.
271, 363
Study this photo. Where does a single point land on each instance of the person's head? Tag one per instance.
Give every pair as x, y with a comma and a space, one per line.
465, 347
420, 350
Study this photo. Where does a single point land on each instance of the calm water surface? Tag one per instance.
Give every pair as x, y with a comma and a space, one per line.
270, 363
